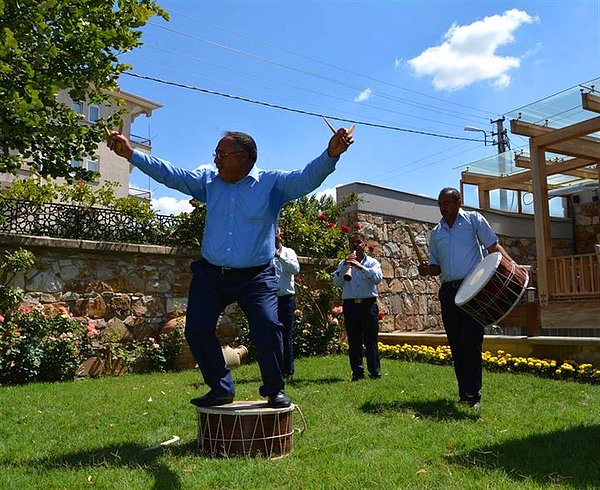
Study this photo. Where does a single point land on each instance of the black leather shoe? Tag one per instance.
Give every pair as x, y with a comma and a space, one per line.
375, 376
211, 400
357, 376
280, 400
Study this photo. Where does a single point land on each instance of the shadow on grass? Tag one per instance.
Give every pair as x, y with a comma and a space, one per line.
432, 409
125, 455
564, 457
315, 381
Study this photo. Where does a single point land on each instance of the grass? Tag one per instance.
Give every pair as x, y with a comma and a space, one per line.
402, 431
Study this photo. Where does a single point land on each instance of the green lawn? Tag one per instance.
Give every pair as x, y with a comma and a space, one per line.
402, 431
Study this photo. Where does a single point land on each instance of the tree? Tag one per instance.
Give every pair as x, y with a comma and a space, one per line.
49, 45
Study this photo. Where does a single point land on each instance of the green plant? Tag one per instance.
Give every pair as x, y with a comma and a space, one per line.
20, 260
160, 353
317, 339
41, 344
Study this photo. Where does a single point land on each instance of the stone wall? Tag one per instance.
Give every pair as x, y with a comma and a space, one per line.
133, 290
129, 288
587, 226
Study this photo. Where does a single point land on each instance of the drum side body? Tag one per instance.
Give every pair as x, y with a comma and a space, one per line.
499, 295
246, 432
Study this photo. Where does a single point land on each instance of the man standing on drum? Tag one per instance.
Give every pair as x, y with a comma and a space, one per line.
242, 207
455, 249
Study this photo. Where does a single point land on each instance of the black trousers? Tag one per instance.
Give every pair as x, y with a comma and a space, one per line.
286, 306
465, 336
362, 327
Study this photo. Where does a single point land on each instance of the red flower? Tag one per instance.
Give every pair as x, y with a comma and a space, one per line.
321, 217
380, 316
330, 224
356, 227
345, 229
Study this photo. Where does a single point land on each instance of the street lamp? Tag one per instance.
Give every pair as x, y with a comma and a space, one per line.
473, 128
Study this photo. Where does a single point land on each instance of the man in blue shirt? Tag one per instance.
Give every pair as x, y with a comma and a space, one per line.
242, 208
358, 275
454, 251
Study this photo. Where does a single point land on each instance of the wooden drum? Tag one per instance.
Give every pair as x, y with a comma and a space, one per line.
245, 428
492, 289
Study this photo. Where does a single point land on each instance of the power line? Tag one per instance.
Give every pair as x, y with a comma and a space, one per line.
311, 74
298, 111
279, 82
331, 65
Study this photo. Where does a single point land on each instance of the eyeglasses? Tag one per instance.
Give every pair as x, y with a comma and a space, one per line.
224, 154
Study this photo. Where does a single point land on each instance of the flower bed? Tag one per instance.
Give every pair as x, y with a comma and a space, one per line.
500, 361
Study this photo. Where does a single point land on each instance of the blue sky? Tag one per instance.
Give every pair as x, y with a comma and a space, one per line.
417, 67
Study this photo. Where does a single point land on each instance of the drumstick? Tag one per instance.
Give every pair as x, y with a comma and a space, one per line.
329, 124
414, 243
117, 144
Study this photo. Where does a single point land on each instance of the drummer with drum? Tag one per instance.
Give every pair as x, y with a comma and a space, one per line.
456, 247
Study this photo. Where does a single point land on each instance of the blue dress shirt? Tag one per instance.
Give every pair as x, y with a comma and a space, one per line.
241, 217
456, 250
286, 266
363, 283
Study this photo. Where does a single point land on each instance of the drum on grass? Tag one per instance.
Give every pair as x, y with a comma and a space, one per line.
245, 428
492, 289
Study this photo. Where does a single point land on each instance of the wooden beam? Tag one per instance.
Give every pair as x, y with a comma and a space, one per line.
580, 147
487, 182
569, 132
590, 102
567, 167
514, 182
541, 219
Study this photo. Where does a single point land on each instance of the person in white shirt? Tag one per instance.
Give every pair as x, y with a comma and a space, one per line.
358, 275
286, 267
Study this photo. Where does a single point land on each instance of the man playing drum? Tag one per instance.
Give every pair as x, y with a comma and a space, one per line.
455, 249
238, 245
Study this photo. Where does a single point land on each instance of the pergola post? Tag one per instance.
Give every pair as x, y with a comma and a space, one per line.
541, 218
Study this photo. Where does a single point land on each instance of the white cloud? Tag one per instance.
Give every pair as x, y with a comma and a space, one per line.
170, 205
364, 95
326, 192
467, 54
398, 62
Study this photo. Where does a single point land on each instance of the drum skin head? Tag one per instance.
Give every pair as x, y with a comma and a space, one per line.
478, 278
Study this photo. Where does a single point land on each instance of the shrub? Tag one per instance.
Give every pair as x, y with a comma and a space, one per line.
41, 344
20, 260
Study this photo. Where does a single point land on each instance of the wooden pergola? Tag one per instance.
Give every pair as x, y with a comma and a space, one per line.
566, 276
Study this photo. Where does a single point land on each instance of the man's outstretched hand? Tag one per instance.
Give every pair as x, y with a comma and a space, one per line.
340, 142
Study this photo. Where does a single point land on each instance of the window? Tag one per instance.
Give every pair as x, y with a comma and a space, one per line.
77, 107
93, 166
93, 113
76, 164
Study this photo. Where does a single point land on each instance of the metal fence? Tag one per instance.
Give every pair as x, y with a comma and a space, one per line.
86, 223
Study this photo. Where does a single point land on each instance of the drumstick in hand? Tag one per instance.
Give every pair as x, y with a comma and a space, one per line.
117, 144
329, 124
350, 130
414, 243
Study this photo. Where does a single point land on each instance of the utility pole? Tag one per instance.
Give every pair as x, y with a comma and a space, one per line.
503, 145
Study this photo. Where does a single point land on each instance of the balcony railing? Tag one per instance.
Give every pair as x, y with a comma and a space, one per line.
575, 276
